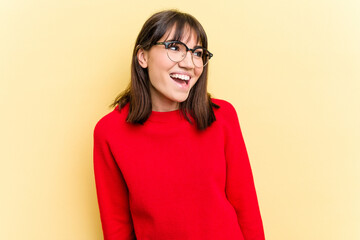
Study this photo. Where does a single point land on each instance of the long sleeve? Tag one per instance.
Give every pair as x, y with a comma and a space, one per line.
240, 188
112, 192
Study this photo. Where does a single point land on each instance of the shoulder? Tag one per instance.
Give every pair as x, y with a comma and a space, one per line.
226, 115
111, 121
226, 108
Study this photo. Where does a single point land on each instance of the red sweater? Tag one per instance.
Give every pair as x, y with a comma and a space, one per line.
165, 180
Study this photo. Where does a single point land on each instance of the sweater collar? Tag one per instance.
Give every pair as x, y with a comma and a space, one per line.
171, 116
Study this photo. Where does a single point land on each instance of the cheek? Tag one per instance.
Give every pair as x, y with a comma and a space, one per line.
198, 72
160, 65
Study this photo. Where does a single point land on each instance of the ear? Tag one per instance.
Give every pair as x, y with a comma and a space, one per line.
142, 57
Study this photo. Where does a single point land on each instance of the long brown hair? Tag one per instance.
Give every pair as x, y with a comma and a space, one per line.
137, 94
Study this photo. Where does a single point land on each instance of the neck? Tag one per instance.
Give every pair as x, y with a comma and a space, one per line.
161, 103
167, 108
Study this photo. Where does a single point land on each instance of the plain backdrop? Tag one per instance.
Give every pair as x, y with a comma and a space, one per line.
291, 68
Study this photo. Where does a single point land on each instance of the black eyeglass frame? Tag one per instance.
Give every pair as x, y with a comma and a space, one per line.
206, 52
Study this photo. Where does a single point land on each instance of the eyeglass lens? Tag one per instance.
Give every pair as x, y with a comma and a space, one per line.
177, 52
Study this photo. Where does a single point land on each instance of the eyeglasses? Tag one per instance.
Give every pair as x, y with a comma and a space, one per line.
177, 50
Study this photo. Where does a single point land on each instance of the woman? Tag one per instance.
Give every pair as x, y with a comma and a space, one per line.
170, 162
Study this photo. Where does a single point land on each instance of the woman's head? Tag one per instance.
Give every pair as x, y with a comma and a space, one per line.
159, 77
171, 69
152, 64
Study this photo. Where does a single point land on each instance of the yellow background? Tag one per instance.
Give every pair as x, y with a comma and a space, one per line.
290, 67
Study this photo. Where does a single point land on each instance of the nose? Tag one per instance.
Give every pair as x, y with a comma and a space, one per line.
187, 62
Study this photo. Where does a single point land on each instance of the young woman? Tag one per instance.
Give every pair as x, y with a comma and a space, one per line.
170, 162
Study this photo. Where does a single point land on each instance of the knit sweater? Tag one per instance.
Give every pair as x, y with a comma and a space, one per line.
166, 180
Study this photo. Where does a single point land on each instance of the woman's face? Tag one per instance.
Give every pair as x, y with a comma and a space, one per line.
170, 81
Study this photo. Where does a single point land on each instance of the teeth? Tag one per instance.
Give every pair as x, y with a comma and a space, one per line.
180, 76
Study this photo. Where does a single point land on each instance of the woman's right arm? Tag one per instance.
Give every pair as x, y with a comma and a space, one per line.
112, 192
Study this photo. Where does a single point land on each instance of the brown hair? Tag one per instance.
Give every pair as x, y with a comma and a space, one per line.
137, 94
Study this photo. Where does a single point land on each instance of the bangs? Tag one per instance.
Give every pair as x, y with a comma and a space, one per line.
183, 31
180, 25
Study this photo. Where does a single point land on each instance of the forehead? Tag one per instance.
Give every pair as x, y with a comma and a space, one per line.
185, 35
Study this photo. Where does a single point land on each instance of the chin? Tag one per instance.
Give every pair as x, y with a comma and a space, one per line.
181, 99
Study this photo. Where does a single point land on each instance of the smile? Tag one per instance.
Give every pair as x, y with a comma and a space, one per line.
181, 79
180, 76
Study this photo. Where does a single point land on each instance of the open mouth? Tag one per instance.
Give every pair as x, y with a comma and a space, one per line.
181, 78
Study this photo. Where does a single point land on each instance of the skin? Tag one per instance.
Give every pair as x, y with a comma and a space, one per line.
166, 93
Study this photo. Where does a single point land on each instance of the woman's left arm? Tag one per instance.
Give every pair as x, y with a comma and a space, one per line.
240, 187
